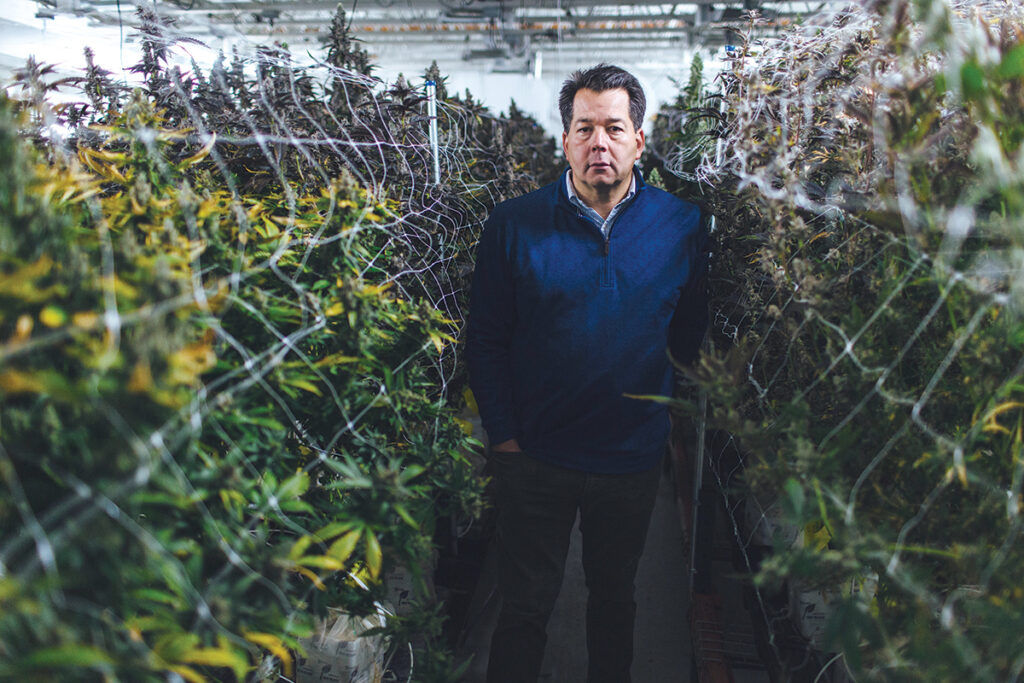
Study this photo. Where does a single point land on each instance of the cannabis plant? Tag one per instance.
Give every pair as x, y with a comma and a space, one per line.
867, 354
229, 310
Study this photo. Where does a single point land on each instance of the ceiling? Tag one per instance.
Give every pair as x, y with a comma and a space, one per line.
500, 51
506, 35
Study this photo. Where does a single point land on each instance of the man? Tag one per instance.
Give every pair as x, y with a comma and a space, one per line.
574, 295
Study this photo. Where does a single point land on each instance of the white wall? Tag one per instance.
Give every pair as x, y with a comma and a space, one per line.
59, 41
539, 97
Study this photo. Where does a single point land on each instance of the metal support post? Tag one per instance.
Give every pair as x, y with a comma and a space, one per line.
432, 113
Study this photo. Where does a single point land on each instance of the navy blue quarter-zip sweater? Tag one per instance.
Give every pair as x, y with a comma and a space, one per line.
564, 323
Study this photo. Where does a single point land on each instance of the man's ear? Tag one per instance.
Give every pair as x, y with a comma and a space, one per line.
641, 143
565, 152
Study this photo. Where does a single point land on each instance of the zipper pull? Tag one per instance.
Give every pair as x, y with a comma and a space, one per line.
606, 247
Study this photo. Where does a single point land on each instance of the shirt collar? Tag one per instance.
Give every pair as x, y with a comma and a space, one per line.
574, 198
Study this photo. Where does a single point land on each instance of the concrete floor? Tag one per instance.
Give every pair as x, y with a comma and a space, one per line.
662, 645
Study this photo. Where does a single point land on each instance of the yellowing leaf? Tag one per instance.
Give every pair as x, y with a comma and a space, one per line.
995, 428
439, 339
138, 208
304, 384
17, 382
173, 646
232, 500
991, 418
817, 536
107, 155
21, 284
320, 562
465, 425
119, 286
176, 134
188, 363
208, 208
335, 309
342, 549
52, 316
299, 547
312, 577
188, 673
470, 399
223, 656
85, 319
271, 229
336, 359
200, 155
276, 647
438, 343
377, 290
141, 379
374, 557
287, 222
93, 159
1002, 408
294, 486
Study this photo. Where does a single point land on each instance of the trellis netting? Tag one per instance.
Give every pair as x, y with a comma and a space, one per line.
865, 381
228, 306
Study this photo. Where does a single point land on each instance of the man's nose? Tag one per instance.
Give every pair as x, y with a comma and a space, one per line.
600, 140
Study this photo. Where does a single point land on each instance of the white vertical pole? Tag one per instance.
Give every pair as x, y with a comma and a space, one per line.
432, 113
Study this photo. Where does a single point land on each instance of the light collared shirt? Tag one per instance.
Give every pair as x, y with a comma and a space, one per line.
605, 224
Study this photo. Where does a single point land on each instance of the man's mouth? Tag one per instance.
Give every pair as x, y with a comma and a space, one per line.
599, 165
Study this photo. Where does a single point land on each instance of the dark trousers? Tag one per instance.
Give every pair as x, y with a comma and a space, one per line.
537, 506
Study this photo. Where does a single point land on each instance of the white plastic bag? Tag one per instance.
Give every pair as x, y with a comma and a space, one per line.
339, 653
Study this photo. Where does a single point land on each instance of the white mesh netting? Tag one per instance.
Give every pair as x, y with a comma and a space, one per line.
865, 385
229, 382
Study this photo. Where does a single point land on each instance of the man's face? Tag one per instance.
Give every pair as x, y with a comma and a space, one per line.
601, 145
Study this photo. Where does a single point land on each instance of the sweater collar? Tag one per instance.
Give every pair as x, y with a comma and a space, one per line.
579, 203
637, 186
